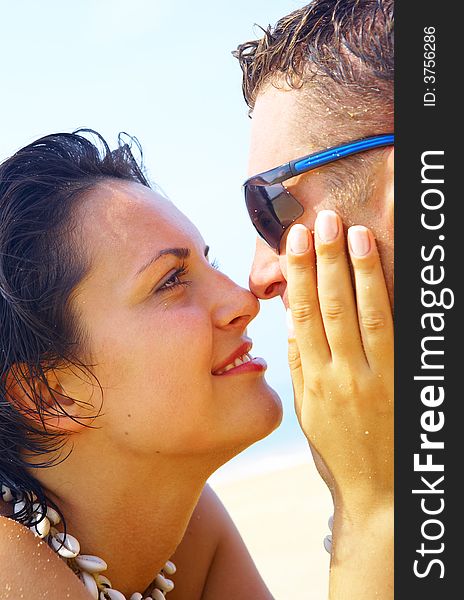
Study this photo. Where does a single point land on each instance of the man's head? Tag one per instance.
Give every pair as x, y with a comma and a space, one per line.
323, 76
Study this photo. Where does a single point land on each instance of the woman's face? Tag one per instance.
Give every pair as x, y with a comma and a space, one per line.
160, 323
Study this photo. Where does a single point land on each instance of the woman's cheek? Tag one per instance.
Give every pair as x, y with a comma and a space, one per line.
186, 336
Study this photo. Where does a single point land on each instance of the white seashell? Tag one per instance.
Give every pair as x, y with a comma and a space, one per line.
331, 522
53, 516
54, 531
158, 595
91, 564
165, 585
66, 546
6, 493
90, 584
137, 596
114, 594
18, 507
42, 528
37, 514
102, 580
37, 509
328, 543
169, 568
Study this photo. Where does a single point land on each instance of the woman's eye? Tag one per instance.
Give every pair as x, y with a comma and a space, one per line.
175, 279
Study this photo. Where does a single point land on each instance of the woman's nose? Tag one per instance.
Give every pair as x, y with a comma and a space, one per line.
266, 277
236, 307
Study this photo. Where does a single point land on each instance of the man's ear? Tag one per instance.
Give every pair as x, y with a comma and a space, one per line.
390, 189
27, 393
383, 198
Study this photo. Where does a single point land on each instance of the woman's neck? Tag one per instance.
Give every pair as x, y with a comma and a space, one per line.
131, 517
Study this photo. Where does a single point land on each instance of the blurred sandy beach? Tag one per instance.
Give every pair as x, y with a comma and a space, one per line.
282, 515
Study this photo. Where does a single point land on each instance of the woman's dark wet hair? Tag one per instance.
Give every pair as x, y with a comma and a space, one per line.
41, 262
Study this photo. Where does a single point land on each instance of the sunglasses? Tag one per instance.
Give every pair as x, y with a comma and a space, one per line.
272, 208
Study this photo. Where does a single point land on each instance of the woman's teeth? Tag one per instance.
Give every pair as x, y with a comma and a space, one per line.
237, 362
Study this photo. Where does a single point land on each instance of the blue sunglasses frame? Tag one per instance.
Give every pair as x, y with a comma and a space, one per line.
272, 208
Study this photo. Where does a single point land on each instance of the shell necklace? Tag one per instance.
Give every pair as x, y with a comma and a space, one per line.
87, 567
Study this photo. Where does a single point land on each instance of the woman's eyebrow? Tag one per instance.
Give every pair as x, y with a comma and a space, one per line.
179, 252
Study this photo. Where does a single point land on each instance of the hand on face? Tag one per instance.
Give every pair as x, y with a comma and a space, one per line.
341, 358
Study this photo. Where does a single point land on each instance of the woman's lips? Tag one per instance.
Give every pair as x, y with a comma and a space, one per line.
253, 365
230, 361
240, 361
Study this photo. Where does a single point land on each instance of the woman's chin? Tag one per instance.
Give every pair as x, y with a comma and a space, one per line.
258, 427
264, 416
274, 411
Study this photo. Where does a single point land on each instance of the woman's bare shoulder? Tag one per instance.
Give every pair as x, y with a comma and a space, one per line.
30, 569
195, 553
212, 560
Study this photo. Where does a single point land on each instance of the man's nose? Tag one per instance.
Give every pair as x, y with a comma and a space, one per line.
266, 277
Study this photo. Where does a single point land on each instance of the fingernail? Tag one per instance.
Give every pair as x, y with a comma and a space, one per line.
290, 327
327, 225
358, 238
298, 239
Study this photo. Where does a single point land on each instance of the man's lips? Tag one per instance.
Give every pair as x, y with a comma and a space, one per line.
239, 353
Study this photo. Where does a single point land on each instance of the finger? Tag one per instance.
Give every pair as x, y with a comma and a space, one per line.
303, 298
375, 316
294, 361
336, 297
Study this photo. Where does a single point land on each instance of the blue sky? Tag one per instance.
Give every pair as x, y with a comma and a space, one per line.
162, 71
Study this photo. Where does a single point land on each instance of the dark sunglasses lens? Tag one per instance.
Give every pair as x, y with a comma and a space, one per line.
272, 210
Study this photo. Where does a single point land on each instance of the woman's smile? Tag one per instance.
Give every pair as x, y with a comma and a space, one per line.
244, 364
240, 362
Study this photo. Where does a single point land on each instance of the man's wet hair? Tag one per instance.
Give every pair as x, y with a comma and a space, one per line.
344, 42
339, 55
